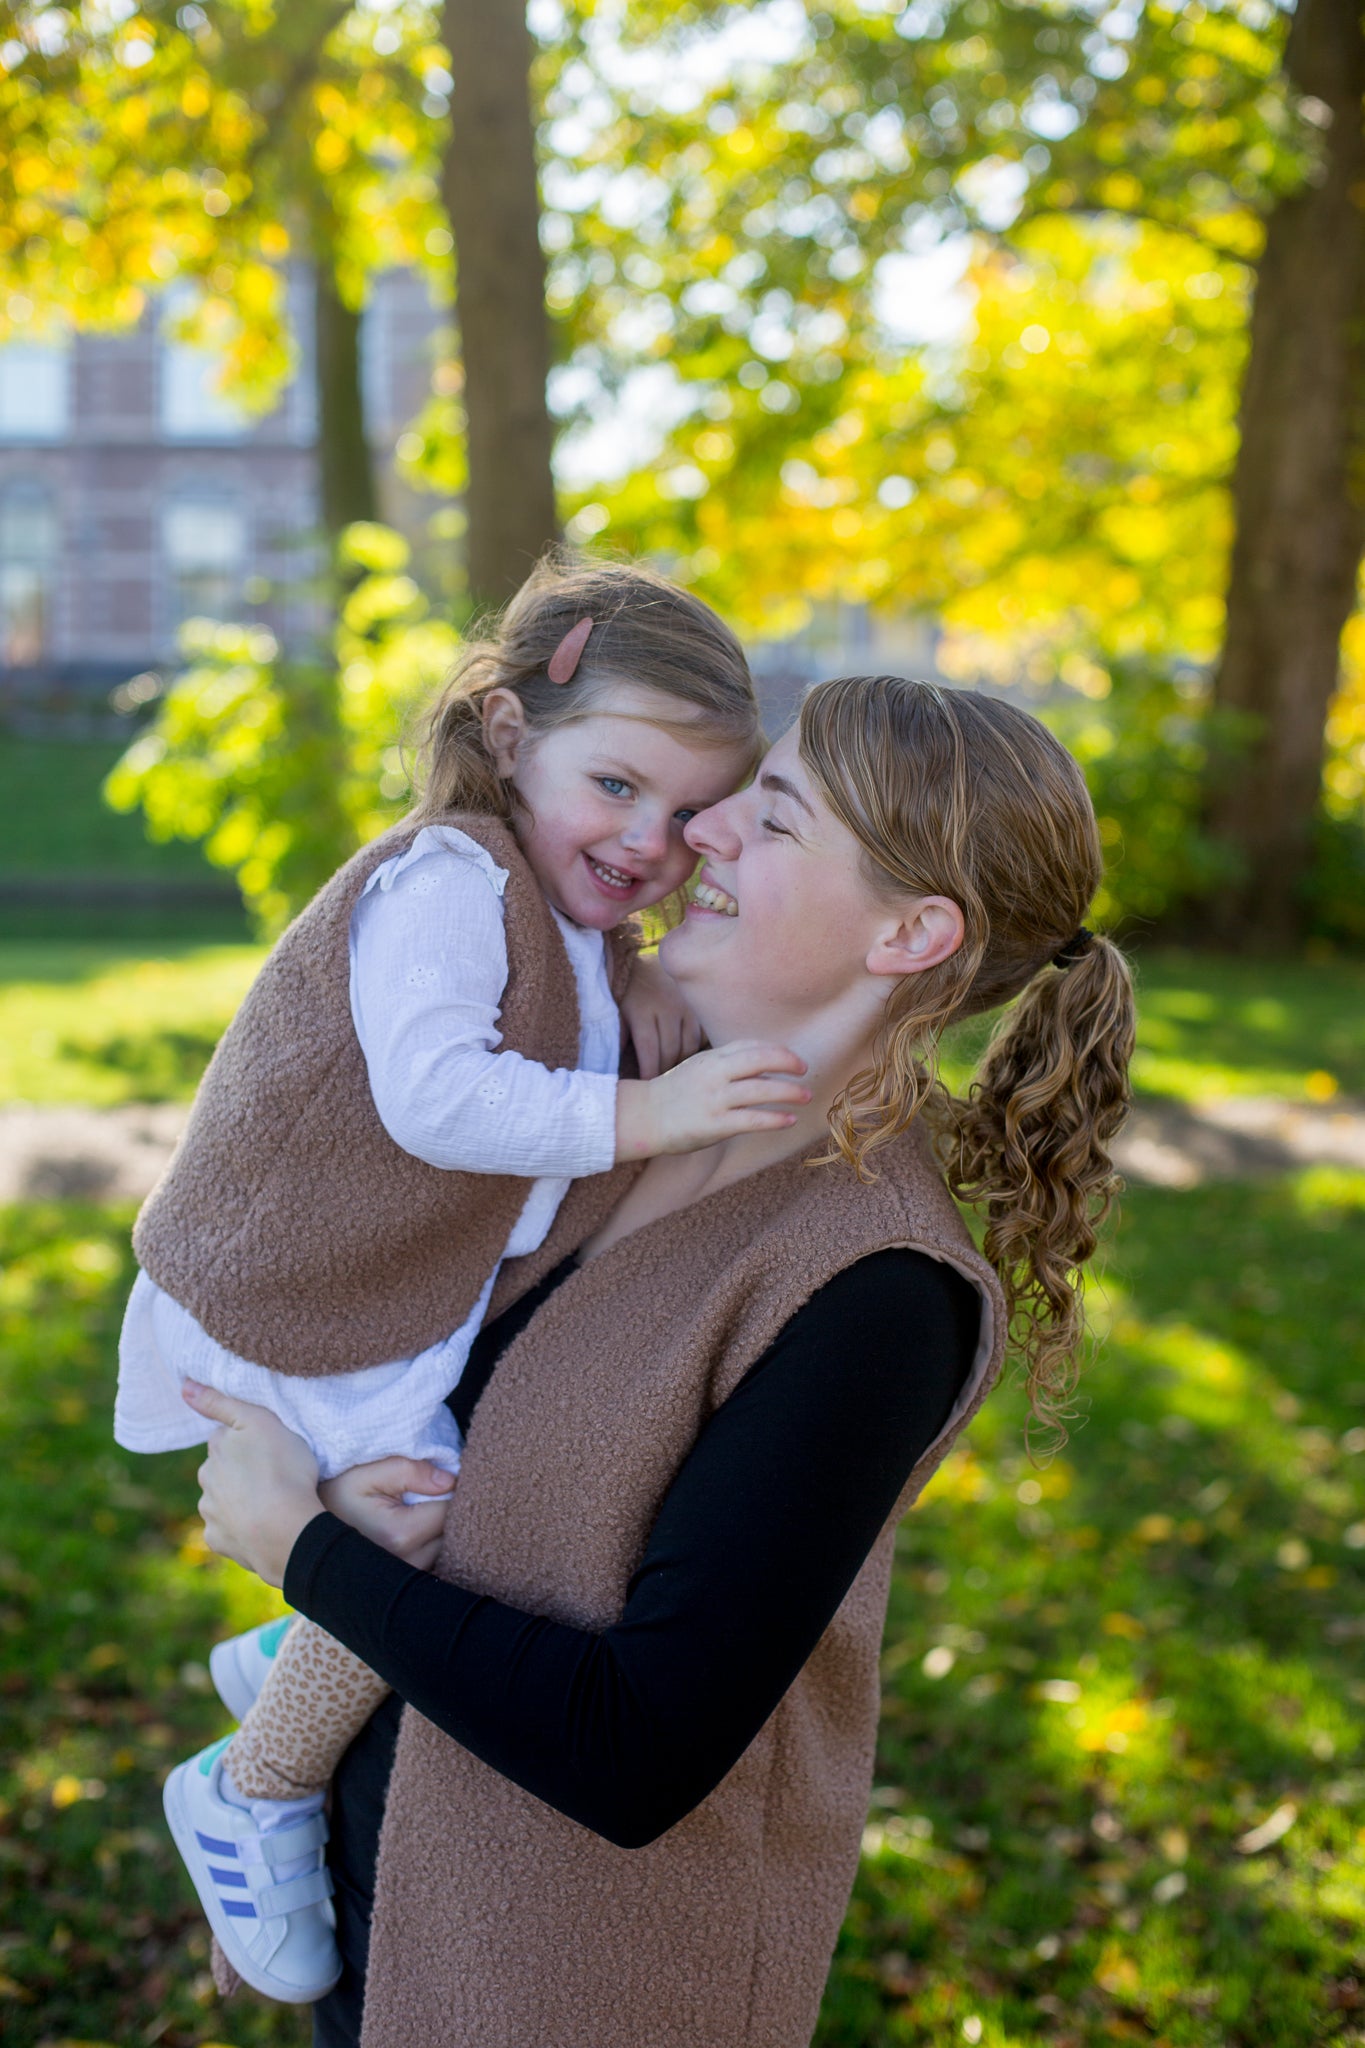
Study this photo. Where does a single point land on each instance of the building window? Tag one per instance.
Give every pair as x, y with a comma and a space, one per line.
193, 406
205, 545
35, 392
28, 563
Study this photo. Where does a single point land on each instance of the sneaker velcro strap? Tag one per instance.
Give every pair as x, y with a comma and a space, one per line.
309, 1890
286, 1845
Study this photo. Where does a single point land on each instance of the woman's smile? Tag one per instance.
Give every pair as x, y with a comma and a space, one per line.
710, 900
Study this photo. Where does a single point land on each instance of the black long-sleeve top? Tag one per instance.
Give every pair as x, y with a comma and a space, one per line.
758, 1539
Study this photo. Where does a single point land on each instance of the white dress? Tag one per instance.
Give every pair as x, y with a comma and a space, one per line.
428, 967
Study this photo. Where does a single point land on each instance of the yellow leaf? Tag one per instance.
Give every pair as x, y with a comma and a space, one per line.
1127, 1625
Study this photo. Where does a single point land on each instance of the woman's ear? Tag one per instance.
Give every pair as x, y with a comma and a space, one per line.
927, 935
504, 728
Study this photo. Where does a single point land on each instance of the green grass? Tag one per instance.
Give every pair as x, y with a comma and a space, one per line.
106, 1023
1101, 1678
1210, 1027
118, 1021
58, 828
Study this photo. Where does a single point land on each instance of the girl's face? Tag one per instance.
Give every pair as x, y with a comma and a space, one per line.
784, 927
604, 800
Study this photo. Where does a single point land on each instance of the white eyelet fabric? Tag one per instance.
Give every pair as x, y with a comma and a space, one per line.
428, 967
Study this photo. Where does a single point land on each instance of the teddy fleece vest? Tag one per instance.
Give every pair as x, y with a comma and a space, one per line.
499, 1923
288, 1222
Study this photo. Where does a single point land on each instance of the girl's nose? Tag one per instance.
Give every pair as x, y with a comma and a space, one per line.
646, 835
714, 831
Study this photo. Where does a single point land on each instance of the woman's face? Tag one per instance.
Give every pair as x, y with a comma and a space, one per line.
784, 926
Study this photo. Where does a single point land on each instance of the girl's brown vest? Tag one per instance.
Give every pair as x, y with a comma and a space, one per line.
499, 1923
288, 1222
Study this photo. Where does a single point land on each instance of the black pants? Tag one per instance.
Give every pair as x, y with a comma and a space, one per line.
359, 1791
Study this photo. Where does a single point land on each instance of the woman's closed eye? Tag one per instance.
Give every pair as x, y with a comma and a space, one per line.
778, 831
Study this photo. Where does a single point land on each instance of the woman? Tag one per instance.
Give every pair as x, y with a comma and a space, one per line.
654, 1625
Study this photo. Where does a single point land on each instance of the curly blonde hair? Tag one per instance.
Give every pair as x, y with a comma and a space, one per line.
953, 793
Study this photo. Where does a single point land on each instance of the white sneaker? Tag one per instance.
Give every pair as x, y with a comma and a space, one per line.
279, 1937
239, 1667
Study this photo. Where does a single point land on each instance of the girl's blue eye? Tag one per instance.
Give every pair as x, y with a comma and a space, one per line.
613, 785
684, 817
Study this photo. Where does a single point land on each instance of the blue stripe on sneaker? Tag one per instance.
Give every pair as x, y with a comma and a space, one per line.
237, 1877
238, 1909
214, 1846
270, 1637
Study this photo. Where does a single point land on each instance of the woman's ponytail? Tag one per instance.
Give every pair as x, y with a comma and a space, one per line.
961, 794
1029, 1144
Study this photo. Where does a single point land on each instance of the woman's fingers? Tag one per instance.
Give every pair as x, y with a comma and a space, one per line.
216, 1407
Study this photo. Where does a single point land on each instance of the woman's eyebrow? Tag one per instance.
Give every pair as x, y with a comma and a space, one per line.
782, 787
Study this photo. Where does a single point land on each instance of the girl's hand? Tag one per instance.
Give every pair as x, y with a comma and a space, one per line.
370, 1498
714, 1095
658, 1022
259, 1483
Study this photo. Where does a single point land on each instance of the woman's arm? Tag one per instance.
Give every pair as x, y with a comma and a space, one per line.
757, 1541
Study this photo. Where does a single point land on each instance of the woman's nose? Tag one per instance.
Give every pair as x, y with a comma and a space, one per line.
714, 831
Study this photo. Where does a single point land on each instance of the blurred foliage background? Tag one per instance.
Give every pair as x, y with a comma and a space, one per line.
1039, 321
1035, 324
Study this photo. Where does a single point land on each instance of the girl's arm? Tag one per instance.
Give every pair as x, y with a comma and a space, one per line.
428, 970
758, 1540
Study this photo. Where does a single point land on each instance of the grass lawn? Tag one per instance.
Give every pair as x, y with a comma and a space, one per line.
107, 1022
122, 1021
58, 829
1120, 1781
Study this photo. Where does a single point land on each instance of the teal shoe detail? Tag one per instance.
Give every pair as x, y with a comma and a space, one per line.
273, 1634
208, 1758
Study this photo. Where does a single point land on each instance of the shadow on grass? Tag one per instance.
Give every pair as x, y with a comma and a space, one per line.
1102, 1679
159, 1066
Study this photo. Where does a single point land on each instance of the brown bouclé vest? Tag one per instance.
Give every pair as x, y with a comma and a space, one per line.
499, 1923
288, 1222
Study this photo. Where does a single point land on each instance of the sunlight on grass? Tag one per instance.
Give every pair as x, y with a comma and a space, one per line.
98, 1024
108, 1607
1120, 1770
1120, 1775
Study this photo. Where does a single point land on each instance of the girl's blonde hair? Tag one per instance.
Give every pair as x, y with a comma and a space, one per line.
645, 630
951, 793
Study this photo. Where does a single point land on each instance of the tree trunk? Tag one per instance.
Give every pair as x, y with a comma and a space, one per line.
492, 199
1297, 495
346, 487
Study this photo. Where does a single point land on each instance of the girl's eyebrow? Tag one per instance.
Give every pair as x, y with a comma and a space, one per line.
781, 787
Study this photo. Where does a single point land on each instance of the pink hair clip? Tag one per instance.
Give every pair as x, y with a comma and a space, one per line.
566, 657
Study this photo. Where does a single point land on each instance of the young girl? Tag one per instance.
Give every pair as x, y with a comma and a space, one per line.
426, 1061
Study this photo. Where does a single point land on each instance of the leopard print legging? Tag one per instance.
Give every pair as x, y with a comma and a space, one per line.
314, 1703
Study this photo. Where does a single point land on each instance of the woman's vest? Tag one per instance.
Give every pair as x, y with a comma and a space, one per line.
288, 1222
501, 1924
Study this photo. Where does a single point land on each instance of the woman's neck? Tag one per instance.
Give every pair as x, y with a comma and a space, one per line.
834, 1049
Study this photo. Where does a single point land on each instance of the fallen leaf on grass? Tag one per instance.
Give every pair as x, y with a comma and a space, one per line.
1273, 1829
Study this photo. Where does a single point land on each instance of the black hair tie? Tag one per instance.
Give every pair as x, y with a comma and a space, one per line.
1075, 948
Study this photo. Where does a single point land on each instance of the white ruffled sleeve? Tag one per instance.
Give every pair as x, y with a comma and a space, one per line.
428, 970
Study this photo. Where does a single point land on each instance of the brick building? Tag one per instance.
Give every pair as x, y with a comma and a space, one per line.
133, 495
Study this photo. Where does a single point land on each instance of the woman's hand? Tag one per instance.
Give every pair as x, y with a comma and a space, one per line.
259, 1483
370, 1498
